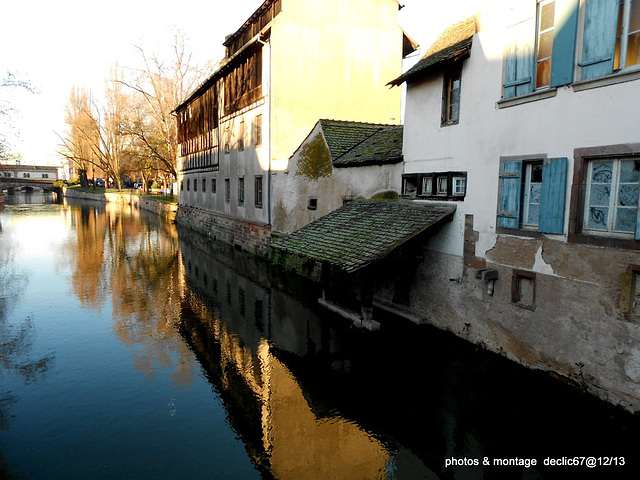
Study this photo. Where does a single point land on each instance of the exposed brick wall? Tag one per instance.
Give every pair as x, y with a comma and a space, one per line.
470, 239
247, 236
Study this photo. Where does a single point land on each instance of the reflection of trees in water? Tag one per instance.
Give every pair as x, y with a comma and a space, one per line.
138, 263
16, 340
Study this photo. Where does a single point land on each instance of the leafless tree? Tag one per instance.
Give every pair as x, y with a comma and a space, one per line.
159, 86
10, 81
96, 138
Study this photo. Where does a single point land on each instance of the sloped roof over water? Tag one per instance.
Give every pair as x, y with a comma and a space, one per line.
363, 232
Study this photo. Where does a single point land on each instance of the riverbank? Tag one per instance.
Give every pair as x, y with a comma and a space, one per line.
158, 205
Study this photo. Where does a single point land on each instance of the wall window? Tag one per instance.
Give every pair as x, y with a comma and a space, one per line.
436, 185
604, 196
257, 130
538, 54
258, 192
544, 42
181, 185
611, 37
214, 185
188, 184
45, 175
459, 186
532, 194
523, 289
241, 191
611, 203
227, 190
204, 185
195, 184
241, 135
451, 95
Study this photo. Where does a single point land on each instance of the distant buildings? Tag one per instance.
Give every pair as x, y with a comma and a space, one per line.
31, 172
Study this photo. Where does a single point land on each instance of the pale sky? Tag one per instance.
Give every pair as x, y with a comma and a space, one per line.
60, 44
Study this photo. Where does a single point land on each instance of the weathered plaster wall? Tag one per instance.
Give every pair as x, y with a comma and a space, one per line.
331, 187
575, 325
571, 331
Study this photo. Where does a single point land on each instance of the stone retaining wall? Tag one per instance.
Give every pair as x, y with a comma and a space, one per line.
246, 236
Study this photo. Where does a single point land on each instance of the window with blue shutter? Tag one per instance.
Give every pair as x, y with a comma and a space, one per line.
564, 42
541, 47
518, 77
510, 193
554, 181
532, 195
599, 42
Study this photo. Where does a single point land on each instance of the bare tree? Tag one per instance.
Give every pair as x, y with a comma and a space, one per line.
82, 135
10, 81
159, 87
97, 137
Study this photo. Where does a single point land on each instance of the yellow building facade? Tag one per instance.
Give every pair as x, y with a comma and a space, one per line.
291, 63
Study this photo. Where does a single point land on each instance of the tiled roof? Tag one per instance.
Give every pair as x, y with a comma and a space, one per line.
384, 146
363, 232
359, 143
453, 44
342, 136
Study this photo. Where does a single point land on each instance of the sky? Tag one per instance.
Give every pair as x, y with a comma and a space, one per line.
59, 44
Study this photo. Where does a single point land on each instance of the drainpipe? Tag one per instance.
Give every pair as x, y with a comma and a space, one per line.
268, 42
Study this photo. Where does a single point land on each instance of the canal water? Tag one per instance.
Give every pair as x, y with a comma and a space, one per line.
133, 349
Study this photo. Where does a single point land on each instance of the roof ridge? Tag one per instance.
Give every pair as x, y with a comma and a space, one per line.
356, 122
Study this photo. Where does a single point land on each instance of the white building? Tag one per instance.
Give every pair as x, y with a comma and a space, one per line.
526, 118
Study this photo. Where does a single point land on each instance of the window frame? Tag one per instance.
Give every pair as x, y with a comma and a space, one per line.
257, 130
526, 195
539, 33
241, 191
582, 157
453, 73
420, 181
258, 191
511, 184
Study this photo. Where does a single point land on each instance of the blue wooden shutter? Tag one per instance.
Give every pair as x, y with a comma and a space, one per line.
564, 42
554, 184
510, 193
598, 48
518, 76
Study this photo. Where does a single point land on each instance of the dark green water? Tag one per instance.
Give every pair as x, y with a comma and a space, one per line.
129, 349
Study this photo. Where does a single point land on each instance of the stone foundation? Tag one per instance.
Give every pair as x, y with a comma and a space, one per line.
243, 235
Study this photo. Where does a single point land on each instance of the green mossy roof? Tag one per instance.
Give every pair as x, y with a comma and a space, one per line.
384, 146
363, 232
342, 136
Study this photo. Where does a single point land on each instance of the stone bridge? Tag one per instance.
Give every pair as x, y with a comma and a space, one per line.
26, 184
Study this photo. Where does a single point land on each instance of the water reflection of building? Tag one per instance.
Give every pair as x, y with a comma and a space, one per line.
313, 399
232, 324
